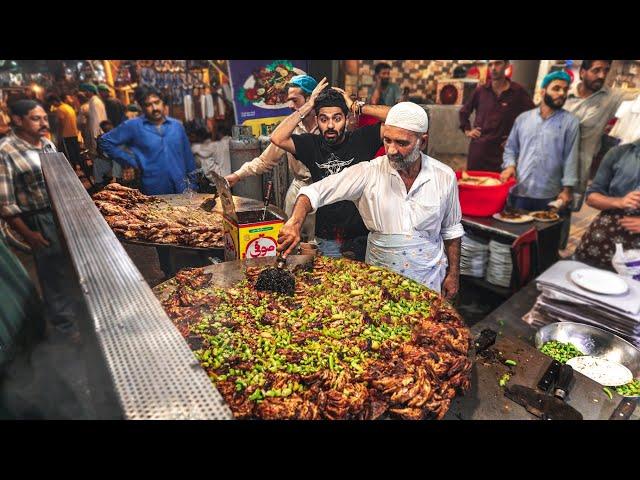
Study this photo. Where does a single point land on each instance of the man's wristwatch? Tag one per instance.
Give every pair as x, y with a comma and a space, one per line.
356, 107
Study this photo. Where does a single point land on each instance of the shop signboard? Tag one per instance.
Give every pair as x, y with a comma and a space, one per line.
260, 90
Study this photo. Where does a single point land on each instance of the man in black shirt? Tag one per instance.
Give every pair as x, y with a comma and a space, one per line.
339, 227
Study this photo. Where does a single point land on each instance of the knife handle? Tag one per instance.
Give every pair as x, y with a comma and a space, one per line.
549, 377
564, 382
625, 409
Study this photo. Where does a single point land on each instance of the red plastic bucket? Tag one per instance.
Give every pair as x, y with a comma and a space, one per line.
479, 201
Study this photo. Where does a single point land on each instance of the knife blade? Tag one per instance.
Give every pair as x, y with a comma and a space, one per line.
541, 405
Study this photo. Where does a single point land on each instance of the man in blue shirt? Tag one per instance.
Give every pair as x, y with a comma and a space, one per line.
384, 92
542, 151
156, 144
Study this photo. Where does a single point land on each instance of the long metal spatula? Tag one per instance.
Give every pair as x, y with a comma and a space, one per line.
266, 200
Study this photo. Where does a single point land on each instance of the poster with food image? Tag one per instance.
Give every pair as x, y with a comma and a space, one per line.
260, 88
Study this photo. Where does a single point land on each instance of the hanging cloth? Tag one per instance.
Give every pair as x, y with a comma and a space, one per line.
209, 111
221, 109
188, 108
198, 108
226, 90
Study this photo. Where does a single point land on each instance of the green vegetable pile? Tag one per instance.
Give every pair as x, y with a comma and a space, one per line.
631, 389
562, 352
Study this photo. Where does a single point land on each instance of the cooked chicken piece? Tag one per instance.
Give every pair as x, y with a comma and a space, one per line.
408, 413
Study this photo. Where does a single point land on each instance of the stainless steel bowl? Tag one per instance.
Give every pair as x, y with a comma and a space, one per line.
592, 341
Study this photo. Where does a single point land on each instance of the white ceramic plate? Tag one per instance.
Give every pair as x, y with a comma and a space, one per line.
520, 219
601, 370
599, 281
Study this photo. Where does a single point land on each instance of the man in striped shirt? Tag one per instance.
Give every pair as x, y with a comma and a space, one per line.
25, 206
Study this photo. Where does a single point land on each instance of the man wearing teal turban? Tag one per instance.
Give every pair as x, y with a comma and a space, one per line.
305, 82
88, 87
542, 153
300, 87
114, 107
557, 75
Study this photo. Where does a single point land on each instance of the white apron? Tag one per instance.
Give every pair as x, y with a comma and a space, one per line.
418, 255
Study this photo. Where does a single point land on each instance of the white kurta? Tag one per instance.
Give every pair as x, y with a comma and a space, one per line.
407, 228
96, 115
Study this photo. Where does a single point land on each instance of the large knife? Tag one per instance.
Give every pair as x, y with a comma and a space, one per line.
547, 407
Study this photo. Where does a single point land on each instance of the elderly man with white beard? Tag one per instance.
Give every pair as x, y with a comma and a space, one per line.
408, 201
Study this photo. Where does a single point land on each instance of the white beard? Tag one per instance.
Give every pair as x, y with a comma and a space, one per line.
406, 162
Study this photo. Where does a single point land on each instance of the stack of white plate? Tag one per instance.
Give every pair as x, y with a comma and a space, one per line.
474, 256
500, 264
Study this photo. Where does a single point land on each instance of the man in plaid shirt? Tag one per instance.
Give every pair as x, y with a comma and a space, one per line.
24, 204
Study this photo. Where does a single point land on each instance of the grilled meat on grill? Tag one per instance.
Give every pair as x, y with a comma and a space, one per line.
353, 342
136, 216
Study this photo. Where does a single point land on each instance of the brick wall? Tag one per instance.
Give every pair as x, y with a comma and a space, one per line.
420, 76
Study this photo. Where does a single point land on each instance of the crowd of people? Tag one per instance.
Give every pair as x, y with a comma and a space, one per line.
138, 144
369, 193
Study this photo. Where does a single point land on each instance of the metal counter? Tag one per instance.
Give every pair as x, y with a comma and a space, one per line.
152, 370
486, 400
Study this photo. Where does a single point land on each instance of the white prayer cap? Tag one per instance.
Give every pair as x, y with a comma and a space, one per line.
409, 116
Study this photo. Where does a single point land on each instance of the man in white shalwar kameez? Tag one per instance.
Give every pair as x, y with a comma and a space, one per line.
408, 201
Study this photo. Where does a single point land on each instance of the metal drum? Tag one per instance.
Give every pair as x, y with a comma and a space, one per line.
244, 147
280, 174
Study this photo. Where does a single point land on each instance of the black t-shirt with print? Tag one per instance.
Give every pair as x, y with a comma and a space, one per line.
341, 219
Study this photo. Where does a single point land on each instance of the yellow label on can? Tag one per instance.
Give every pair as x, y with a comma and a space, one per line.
252, 240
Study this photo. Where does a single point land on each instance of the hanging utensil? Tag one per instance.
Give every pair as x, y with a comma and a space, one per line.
266, 199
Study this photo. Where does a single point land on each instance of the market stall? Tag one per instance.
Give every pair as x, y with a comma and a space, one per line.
544, 240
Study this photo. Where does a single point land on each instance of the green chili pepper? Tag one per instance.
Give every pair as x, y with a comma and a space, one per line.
510, 362
608, 392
